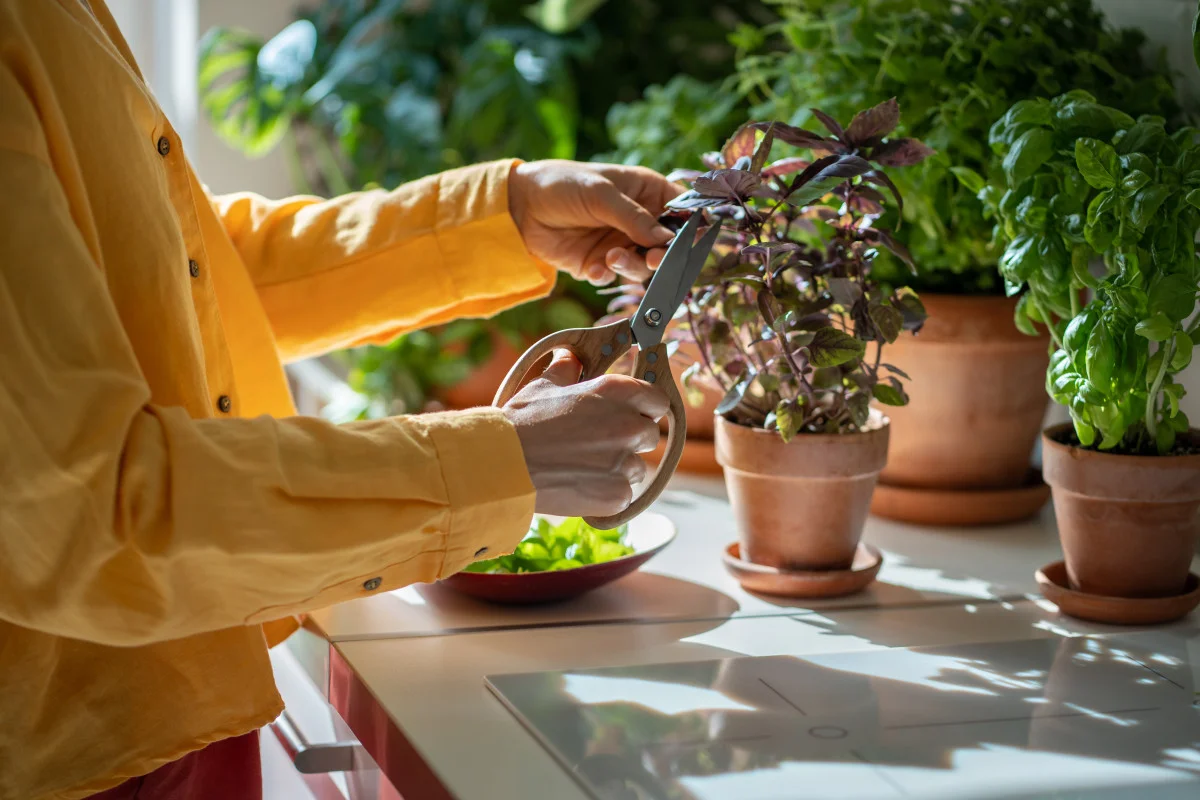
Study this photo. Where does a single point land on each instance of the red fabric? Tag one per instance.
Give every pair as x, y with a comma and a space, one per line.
229, 770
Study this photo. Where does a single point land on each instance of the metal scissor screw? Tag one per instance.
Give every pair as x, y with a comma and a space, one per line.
653, 317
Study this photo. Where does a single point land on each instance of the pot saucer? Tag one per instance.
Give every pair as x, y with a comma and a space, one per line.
960, 507
804, 583
1052, 579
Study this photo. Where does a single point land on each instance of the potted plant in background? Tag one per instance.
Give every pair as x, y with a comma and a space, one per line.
1090, 183
782, 320
372, 93
960, 450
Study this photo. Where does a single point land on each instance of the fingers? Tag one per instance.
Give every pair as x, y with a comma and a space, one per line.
644, 398
564, 370
613, 207
642, 184
628, 264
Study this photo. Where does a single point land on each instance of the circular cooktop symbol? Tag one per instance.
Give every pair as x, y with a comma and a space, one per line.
828, 732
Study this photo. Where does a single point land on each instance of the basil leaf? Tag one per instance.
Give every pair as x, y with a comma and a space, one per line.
1183, 352
1157, 329
1101, 356
1097, 162
1032, 149
1146, 204
1173, 296
1144, 137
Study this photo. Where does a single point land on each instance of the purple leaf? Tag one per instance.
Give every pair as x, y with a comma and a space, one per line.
800, 137
845, 291
764, 150
873, 124
821, 177
769, 249
901, 153
864, 204
785, 166
691, 200
727, 184
712, 160
880, 179
911, 308
741, 144
831, 124
886, 239
683, 175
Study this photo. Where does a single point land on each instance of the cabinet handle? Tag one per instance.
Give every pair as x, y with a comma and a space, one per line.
313, 759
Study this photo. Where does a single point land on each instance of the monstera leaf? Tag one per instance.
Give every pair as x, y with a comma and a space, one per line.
251, 89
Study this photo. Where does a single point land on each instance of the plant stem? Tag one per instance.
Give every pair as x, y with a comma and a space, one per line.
295, 164
1042, 314
1168, 351
700, 348
330, 169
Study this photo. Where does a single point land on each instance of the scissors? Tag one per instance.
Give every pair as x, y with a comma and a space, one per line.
599, 348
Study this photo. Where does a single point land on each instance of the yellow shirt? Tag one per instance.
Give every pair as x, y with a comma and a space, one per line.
157, 501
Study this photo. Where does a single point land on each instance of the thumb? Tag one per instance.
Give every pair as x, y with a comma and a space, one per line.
564, 370
613, 207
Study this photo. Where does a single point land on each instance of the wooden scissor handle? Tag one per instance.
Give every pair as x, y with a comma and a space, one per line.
653, 367
597, 350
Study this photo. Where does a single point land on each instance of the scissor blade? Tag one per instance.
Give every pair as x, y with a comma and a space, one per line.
696, 258
658, 305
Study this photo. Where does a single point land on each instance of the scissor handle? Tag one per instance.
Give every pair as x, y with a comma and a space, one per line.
597, 350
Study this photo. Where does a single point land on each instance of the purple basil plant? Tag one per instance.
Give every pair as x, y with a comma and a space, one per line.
786, 318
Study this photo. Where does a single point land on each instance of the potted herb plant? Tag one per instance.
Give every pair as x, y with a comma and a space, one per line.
788, 321
955, 68
1087, 183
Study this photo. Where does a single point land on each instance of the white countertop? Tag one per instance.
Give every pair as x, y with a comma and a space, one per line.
433, 687
424, 653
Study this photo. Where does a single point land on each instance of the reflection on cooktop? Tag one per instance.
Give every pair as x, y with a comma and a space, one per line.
1073, 717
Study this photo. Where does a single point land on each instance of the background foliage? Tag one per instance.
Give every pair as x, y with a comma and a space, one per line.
955, 68
366, 93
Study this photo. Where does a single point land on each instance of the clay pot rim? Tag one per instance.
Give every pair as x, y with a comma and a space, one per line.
883, 420
1147, 462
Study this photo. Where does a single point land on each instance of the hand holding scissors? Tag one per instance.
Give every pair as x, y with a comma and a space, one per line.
597, 349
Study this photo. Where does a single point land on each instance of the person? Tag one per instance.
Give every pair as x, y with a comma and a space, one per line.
164, 516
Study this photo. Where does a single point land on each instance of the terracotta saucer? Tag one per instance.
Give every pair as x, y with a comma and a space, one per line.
1052, 579
699, 456
804, 583
961, 507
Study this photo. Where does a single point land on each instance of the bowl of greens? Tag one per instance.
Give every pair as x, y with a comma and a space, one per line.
564, 558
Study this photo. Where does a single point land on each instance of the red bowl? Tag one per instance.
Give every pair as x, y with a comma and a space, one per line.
648, 534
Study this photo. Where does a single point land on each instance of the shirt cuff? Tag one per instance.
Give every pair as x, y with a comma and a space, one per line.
490, 493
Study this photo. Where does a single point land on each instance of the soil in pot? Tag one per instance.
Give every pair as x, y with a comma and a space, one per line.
1128, 524
977, 397
800, 505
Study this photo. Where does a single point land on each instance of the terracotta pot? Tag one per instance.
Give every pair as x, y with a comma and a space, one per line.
800, 505
479, 389
977, 397
1128, 524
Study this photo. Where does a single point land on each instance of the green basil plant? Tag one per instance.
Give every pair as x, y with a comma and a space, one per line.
1081, 184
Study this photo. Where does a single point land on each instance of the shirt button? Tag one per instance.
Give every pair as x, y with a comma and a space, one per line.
194, 268
372, 584
481, 551
224, 403
164, 145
